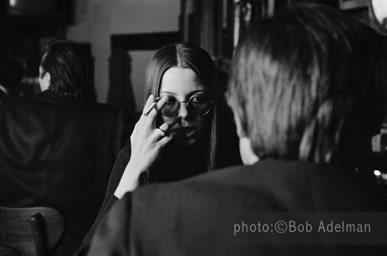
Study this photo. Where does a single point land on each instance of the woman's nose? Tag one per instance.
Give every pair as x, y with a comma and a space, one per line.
183, 111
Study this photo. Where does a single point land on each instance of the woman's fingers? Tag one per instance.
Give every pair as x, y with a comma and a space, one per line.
154, 109
145, 129
148, 105
143, 122
151, 107
164, 132
168, 125
147, 141
164, 141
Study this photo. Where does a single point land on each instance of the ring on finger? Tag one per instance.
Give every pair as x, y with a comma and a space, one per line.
163, 132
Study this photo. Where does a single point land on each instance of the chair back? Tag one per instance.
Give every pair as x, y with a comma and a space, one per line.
32, 231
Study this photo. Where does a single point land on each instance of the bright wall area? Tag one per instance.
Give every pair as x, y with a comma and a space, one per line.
97, 20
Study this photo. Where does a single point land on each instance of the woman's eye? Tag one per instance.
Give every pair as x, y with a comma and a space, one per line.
171, 100
198, 99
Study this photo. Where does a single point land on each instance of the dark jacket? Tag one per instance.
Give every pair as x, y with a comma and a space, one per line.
197, 216
174, 164
59, 153
2, 95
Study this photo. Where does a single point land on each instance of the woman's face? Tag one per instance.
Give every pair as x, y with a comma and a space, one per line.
182, 84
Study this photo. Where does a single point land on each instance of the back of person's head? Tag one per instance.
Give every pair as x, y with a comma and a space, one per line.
186, 55
309, 85
11, 74
69, 69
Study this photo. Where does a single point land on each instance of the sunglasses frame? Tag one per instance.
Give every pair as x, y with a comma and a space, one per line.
188, 108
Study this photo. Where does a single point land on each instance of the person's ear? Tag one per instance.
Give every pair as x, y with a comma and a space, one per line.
238, 124
45, 81
247, 154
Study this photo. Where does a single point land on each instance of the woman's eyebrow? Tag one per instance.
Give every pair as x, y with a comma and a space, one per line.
203, 90
190, 93
195, 92
167, 92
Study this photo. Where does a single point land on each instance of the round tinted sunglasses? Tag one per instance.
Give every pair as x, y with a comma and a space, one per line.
198, 104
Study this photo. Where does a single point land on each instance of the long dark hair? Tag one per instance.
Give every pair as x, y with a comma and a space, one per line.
192, 57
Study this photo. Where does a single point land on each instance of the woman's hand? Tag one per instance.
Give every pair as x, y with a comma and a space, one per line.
146, 141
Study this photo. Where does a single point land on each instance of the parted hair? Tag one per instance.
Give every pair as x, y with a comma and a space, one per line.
198, 60
309, 85
69, 69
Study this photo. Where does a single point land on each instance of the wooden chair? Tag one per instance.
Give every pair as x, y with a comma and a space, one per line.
32, 231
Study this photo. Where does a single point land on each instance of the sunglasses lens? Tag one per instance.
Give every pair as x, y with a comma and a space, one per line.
200, 104
171, 107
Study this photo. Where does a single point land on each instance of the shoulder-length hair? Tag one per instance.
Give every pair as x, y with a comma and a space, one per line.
309, 84
69, 69
186, 56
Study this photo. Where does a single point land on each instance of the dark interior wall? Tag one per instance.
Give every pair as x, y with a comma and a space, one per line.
24, 24
96, 21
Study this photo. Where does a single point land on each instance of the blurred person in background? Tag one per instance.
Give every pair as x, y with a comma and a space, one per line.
57, 148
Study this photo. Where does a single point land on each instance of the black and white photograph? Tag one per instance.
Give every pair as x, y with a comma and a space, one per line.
193, 127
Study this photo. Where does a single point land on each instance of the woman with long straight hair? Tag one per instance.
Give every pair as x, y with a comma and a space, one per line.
186, 127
